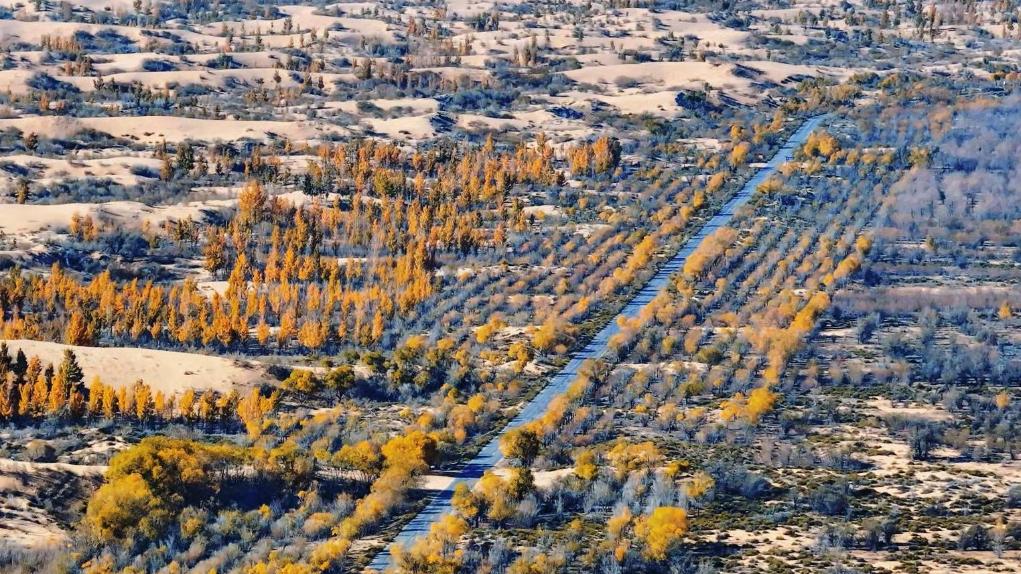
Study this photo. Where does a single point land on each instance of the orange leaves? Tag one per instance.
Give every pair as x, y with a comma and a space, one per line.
79, 330
751, 408
552, 334
252, 203
83, 228
820, 144
601, 156
627, 457
711, 249
491, 327
313, 334
716, 182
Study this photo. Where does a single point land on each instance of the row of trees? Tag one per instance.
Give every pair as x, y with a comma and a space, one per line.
727, 285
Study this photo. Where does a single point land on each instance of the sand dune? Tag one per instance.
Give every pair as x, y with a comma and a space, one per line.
656, 103
167, 371
26, 219
117, 168
153, 129
694, 75
22, 220
413, 127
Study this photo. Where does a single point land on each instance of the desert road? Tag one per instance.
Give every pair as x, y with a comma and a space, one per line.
487, 458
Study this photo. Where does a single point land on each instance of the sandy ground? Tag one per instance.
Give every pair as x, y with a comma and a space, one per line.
167, 371
153, 129
118, 169
695, 75
36, 500
27, 219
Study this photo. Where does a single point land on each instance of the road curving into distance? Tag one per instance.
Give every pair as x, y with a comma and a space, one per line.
487, 458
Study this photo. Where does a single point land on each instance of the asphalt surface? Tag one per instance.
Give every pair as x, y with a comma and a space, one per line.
487, 458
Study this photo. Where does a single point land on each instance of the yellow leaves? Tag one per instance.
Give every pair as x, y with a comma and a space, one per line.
919, 157
414, 451
1005, 311
464, 502
661, 531
820, 143
760, 402
846, 267
521, 354
149, 482
325, 557
676, 467
495, 493
363, 457
448, 529
1002, 400
585, 465
536, 563
318, 523
552, 334
716, 182
629, 457
520, 482
699, 485
405, 456
739, 155
301, 380
770, 186
697, 201
691, 340
83, 228
520, 443
751, 408
192, 521
733, 408
120, 507
707, 252
477, 403
486, 331
804, 320
251, 202
618, 523
863, 244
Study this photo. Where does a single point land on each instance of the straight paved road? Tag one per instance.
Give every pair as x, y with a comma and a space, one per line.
490, 454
